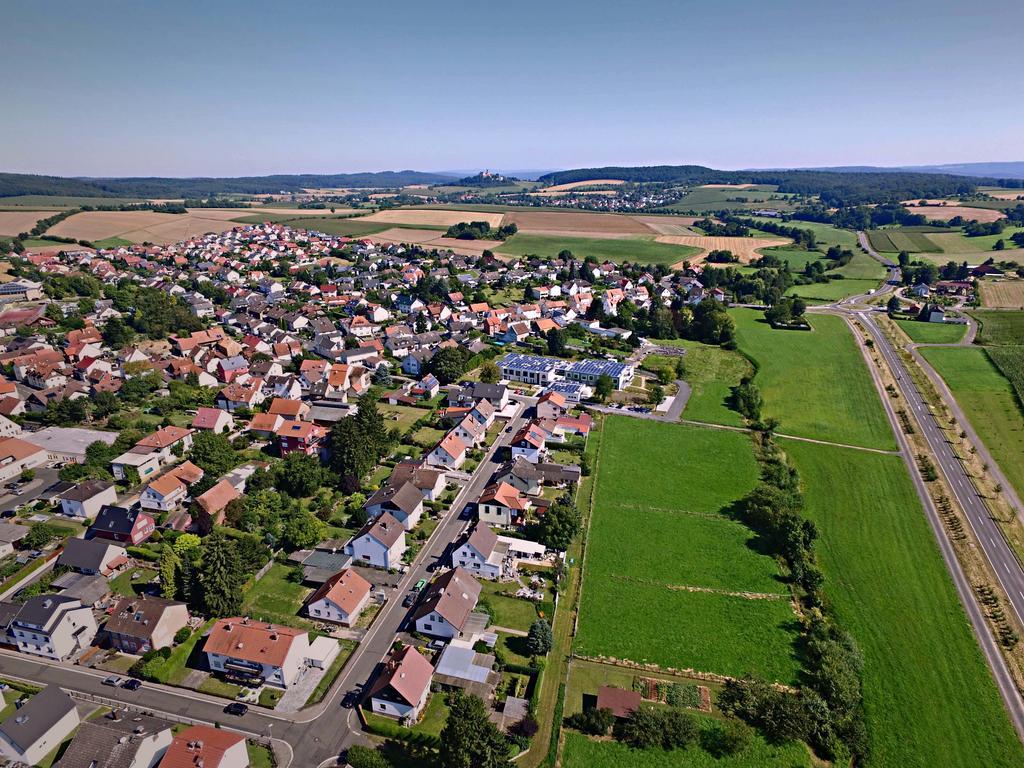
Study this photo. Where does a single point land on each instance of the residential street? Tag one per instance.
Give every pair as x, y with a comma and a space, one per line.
315, 736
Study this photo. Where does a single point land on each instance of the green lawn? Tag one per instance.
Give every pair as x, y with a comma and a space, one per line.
833, 290
277, 599
815, 383
216, 687
509, 611
635, 250
932, 333
999, 327
825, 234
406, 415
259, 756
126, 584
112, 242
580, 751
929, 697
989, 402
174, 669
657, 526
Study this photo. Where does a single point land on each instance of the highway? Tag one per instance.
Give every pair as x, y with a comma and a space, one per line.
1003, 561
314, 736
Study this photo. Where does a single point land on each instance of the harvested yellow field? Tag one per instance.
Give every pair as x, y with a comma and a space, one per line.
576, 223
727, 186
947, 212
577, 184
402, 235
434, 218
16, 222
1002, 294
1018, 195
669, 225
745, 248
145, 226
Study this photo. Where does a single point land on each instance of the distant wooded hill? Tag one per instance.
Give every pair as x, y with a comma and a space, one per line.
159, 187
836, 188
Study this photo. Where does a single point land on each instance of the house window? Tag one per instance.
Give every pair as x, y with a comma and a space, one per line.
380, 705
427, 627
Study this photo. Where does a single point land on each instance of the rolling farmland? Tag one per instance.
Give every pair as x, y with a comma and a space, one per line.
747, 249
929, 697
682, 599
999, 327
443, 218
892, 241
16, 222
145, 226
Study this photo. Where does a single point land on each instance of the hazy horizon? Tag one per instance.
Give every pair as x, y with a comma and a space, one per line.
121, 89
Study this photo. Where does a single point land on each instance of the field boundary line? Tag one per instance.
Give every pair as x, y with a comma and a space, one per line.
709, 590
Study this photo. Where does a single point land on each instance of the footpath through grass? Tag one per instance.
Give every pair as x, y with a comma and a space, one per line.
928, 694
665, 561
989, 402
815, 382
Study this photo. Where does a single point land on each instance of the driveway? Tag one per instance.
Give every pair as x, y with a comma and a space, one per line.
45, 477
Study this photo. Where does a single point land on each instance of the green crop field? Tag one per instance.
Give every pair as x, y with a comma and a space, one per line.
636, 250
711, 372
580, 751
834, 290
672, 484
112, 242
999, 327
989, 402
928, 695
894, 240
862, 267
816, 383
933, 333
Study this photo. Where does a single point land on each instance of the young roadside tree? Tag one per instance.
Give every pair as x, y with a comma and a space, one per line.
540, 639
469, 739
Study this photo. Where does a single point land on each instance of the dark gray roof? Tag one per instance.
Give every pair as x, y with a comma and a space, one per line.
519, 467
39, 610
404, 497
7, 613
85, 491
12, 532
84, 554
110, 743
115, 519
34, 719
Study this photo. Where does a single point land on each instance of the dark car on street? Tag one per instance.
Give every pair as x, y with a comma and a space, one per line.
236, 708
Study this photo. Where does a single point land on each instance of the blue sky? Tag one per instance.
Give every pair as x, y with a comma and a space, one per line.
225, 88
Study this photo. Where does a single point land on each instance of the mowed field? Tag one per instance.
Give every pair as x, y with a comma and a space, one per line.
576, 223
747, 249
815, 383
711, 373
928, 695
989, 402
442, 218
16, 222
145, 226
670, 225
947, 212
664, 559
1002, 293
932, 333
637, 250
893, 241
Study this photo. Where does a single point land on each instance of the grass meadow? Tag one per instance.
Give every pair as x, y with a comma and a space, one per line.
832, 290
928, 694
815, 383
711, 372
989, 402
635, 250
932, 333
825, 234
658, 532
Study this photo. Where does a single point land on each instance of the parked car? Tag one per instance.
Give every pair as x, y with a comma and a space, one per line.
132, 684
420, 584
236, 708
409, 600
113, 681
